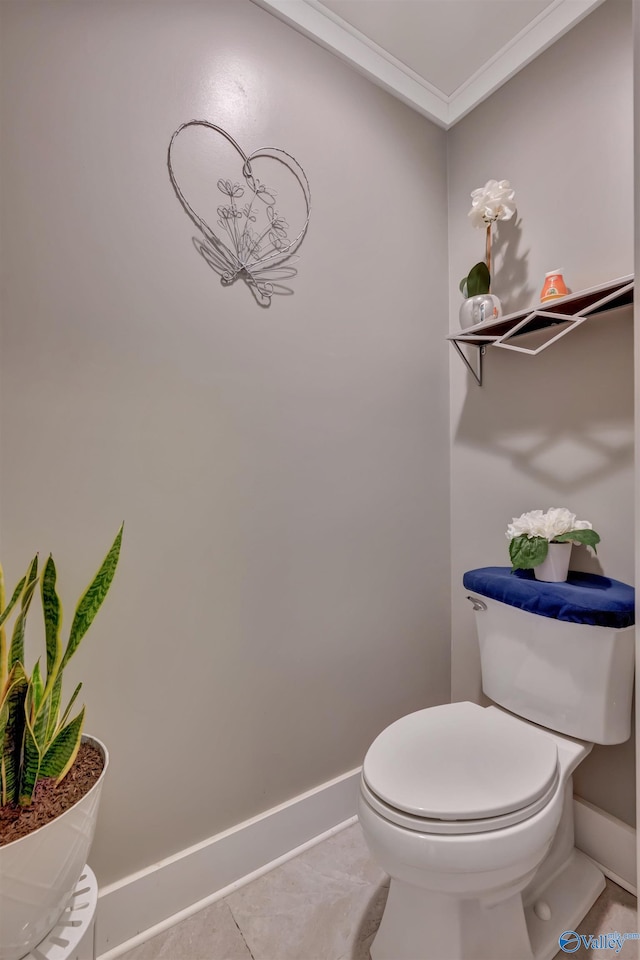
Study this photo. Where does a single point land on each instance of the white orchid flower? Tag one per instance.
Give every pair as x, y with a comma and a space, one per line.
494, 201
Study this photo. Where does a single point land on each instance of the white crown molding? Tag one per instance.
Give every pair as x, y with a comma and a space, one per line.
332, 32
544, 30
336, 35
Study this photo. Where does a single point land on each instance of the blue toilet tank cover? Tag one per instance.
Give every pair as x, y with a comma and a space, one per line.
583, 598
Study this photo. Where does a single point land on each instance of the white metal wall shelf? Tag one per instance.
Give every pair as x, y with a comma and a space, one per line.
571, 311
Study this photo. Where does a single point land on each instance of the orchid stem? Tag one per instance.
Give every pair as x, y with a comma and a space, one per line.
488, 253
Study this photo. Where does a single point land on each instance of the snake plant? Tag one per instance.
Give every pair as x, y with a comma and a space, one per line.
37, 739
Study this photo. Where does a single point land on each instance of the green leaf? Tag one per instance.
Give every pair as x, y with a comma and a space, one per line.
4, 614
4, 719
32, 573
4, 663
38, 707
36, 687
39, 726
14, 599
590, 537
16, 651
60, 756
31, 760
53, 707
16, 673
463, 287
527, 552
38, 721
479, 280
52, 611
91, 600
11, 744
65, 715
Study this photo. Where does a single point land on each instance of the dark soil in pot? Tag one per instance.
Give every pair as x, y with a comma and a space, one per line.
50, 800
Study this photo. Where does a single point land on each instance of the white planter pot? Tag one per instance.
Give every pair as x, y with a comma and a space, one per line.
555, 567
39, 872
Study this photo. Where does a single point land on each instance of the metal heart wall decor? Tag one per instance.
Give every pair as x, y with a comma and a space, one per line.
254, 241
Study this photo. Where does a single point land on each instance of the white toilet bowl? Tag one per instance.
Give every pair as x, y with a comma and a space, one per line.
469, 811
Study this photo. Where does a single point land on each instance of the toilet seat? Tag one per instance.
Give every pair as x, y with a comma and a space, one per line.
460, 768
428, 826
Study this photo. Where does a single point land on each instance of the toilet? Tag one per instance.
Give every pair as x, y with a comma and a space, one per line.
468, 808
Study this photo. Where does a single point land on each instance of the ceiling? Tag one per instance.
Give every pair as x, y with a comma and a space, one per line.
442, 57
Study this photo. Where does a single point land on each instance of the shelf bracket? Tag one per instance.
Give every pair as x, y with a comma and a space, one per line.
480, 351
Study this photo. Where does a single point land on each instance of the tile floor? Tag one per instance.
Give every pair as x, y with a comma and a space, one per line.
326, 904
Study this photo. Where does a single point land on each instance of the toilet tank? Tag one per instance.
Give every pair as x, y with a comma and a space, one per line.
561, 655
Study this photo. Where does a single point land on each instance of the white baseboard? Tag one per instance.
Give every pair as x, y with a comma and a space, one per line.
144, 904
610, 842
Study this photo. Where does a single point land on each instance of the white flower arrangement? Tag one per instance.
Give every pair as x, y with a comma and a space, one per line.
530, 535
494, 201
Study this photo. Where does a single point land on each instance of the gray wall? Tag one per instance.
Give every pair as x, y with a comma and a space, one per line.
284, 587
636, 129
555, 430
283, 592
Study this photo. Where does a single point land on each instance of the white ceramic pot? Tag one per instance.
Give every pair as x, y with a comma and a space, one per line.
485, 306
39, 872
555, 567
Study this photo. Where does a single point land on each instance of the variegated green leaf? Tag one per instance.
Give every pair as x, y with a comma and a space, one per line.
4, 717
11, 745
37, 688
5, 707
52, 610
92, 598
5, 612
38, 708
5, 796
60, 756
31, 762
53, 707
3, 635
16, 651
32, 573
17, 675
65, 715
14, 599
39, 726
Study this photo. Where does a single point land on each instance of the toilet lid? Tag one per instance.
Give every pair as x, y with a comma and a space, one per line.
460, 761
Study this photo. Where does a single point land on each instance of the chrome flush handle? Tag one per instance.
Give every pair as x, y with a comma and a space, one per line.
477, 604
